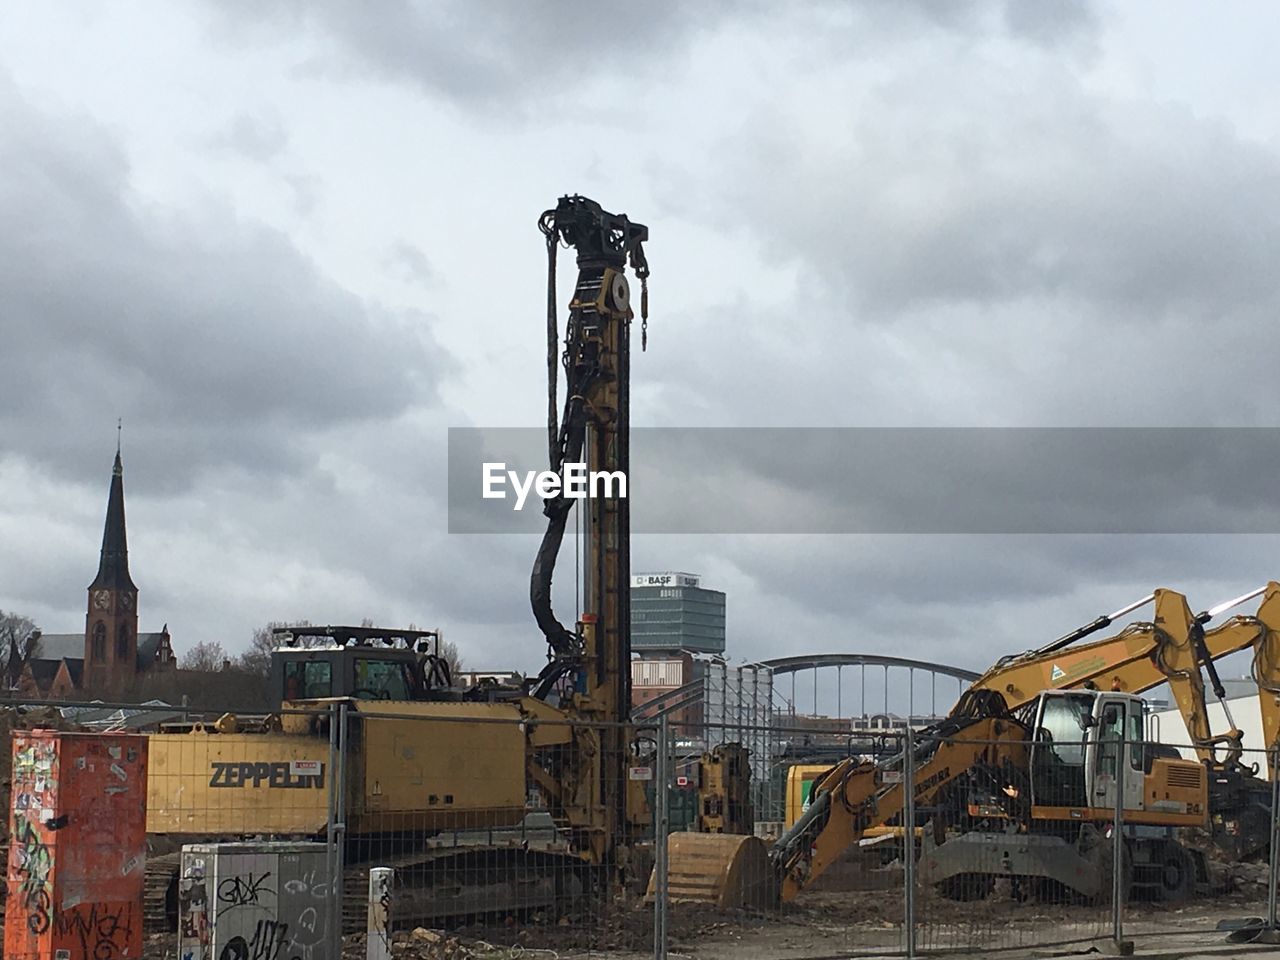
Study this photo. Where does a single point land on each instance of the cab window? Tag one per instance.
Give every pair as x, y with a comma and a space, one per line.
1110, 733
1062, 727
381, 680
307, 679
1135, 746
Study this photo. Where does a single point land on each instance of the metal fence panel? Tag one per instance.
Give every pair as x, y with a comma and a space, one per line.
916, 843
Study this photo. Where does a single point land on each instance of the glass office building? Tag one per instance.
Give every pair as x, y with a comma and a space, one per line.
672, 612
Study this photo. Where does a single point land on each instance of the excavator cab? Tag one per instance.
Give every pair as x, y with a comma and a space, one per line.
1076, 743
358, 663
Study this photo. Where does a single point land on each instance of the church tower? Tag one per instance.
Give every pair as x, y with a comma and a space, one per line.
111, 625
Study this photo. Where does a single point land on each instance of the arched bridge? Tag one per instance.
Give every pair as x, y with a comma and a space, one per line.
830, 692
833, 685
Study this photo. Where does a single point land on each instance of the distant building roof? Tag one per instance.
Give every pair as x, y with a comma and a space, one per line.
55, 646
148, 647
43, 671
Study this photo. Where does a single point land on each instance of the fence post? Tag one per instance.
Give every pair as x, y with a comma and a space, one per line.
334, 897
340, 828
378, 936
660, 828
1118, 891
909, 842
1273, 873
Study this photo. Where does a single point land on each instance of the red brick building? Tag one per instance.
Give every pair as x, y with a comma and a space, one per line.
653, 677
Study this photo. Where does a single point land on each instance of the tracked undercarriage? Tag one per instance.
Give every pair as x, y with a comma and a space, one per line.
435, 886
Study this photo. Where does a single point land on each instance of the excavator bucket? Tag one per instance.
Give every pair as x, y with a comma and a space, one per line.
727, 870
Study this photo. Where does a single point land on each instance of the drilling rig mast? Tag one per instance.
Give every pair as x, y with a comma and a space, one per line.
590, 664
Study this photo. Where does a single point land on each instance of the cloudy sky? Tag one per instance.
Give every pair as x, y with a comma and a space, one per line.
291, 244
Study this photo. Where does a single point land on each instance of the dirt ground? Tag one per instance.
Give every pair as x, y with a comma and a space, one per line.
829, 924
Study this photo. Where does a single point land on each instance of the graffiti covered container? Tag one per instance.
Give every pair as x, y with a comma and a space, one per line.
254, 900
78, 846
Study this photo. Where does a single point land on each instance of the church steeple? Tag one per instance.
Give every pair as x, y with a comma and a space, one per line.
111, 621
113, 566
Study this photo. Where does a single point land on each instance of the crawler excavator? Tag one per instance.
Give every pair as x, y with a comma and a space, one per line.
1020, 779
420, 758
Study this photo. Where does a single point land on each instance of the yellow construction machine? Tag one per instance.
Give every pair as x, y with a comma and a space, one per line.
1173, 650
724, 791
1021, 779
420, 758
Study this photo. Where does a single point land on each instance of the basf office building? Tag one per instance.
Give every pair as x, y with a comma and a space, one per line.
672, 612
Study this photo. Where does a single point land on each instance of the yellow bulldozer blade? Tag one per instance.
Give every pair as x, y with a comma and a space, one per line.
727, 870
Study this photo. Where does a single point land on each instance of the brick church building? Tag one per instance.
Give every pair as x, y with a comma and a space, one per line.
110, 655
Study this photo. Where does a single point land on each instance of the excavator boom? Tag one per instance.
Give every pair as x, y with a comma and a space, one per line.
1172, 648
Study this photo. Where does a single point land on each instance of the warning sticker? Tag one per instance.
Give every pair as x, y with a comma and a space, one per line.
640, 773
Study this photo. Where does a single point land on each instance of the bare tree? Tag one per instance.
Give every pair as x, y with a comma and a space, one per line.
207, 656
20, 643
449, 651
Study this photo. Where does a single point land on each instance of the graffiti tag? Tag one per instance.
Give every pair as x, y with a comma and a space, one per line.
243, 891
34, 864
269, 938
103, 930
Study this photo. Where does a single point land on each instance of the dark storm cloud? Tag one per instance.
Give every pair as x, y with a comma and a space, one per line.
1050, 23
876, 577
508, 52
932, 192
969, 600
477, 52
213, 337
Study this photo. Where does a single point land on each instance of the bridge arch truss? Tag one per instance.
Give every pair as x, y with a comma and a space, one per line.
837, 694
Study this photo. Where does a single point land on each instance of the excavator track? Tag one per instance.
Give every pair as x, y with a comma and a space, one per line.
448, 886
433, 887
160, 893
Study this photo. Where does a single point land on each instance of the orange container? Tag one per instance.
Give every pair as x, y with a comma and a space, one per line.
77, 851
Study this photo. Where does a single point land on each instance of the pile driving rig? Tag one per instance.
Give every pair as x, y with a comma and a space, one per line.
422, 757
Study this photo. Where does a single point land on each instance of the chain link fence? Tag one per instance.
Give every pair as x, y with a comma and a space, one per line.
979, 843
373, 824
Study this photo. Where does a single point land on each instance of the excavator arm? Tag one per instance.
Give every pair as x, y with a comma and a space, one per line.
1174, 648
1261, 632
855, 796
1129, 661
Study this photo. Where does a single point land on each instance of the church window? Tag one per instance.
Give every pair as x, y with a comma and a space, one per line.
98, 648
122, 643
